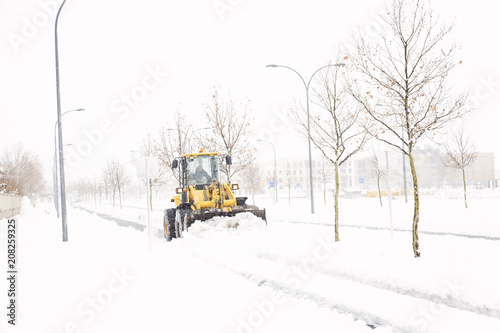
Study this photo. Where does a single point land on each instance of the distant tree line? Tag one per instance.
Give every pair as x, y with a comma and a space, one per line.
21, 172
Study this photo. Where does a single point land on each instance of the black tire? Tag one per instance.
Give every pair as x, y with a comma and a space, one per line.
169, 224
187, 220
179, 222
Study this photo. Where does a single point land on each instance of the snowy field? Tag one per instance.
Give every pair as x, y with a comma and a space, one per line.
287, 277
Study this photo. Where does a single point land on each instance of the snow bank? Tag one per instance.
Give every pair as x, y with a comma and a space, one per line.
240, 223
26, 207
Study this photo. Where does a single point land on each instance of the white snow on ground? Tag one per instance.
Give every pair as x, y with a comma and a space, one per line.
286, 277
243, 222
26, 207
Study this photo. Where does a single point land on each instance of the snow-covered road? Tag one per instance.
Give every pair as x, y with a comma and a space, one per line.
286, 277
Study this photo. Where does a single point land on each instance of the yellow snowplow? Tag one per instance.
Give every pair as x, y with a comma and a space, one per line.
201, 195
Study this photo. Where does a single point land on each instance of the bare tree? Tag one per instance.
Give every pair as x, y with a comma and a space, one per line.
325, 176
115, 178
289, 182
81, 188
407, 71
252, 176
173, 140
334, 128
21, 171
460, 154
109, 180
377, 171
93, 187
149, 148
100, 188
230, 126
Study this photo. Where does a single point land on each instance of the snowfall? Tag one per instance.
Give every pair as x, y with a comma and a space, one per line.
239, 275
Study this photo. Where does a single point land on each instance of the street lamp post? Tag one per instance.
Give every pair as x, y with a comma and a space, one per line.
61, 154
275, 171
306, 85
197, 130
149, 174
56, 182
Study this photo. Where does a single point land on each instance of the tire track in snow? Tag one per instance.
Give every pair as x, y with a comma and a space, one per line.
449, 301
370, 321
123, 223
374, 306
433, 233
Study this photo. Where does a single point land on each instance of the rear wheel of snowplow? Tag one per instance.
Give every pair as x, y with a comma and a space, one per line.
169, 224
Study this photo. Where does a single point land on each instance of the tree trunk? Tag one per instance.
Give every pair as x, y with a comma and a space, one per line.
379, 194
120, 196
150, 195
416, 205
114, 191
465, 187
324, 193
337, 186
288, 195
253, 197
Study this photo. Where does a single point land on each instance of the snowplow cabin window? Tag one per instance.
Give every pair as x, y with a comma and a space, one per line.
202, 169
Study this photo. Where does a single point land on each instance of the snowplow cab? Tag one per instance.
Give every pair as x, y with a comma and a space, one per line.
202, 195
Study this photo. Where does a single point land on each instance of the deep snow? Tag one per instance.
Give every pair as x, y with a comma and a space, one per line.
286, 277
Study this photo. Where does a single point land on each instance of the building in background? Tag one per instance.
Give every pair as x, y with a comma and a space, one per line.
354, 174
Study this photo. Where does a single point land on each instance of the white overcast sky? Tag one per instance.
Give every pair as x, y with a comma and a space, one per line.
108, 48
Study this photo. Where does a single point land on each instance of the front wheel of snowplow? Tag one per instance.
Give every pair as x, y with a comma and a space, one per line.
179, 222
187, 221
169, 224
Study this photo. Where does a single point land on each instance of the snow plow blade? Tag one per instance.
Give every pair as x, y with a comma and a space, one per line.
207, 215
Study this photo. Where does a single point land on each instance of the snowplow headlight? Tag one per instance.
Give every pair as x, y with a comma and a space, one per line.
179, 190
235, 187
